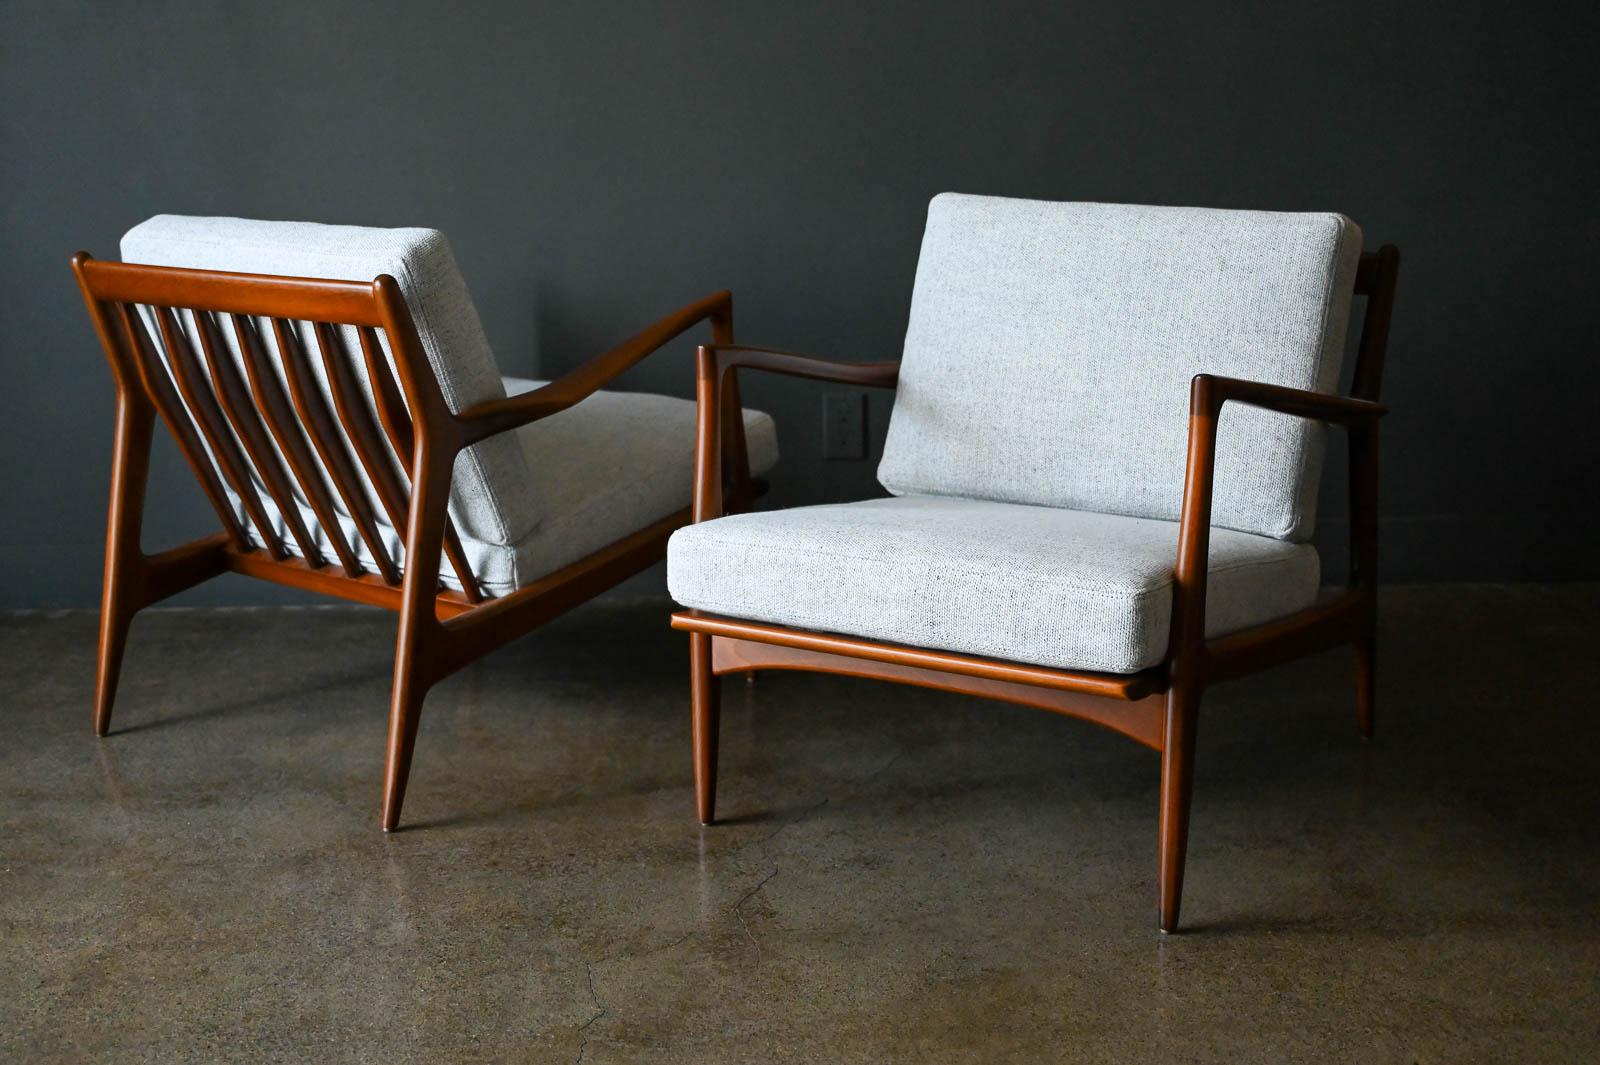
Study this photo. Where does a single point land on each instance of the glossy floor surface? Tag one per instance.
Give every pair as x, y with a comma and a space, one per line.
904, 875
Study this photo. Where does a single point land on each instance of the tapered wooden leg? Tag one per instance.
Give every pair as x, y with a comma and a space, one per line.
125, 570
405, 707
114, 623
405, 711
418, 639
1364, 567
705, 697
1177, 786
1366, 677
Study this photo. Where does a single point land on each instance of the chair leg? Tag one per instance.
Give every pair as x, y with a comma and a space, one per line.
418, 635
1366, 677
124, 572
405, 711
114, 623
705, 697
1177, 787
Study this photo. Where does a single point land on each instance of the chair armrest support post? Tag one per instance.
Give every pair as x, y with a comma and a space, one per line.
716, 384
1207, 396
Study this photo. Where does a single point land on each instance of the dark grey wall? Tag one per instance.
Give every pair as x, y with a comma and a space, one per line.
597, 164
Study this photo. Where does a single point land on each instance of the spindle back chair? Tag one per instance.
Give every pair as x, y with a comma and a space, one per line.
388, 420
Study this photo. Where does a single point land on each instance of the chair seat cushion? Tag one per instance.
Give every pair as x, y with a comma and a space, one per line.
1063, 588
603, 469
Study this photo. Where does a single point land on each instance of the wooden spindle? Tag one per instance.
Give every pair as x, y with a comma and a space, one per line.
245, 418
273, 406
325, 437
202, 405
159, 388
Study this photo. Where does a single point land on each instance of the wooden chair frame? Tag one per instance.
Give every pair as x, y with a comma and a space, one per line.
440, 630
1157, 707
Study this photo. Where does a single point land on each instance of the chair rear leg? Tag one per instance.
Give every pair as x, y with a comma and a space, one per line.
125, 562
1177, 788
1366, 678
705, 697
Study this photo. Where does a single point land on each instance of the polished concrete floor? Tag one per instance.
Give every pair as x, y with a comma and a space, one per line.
904, 875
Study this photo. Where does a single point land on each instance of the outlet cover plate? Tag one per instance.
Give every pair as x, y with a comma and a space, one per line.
844, 426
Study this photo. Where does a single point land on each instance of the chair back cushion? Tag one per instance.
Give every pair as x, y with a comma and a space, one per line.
1051, 345
491, 496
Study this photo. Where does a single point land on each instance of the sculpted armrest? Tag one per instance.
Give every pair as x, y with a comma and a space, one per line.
501, 415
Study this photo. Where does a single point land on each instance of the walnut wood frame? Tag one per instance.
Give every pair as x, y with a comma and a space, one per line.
1157, 707
239, 421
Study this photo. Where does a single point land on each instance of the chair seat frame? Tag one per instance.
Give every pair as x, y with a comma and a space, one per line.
1157, 707
226, 426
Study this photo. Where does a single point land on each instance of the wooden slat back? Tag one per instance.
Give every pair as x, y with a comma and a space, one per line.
355, 415
247, 422
158, 388
279, 416
254, 417
202, 404
312, 410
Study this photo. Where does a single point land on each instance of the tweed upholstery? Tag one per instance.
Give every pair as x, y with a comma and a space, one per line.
605, 468
1050, 348
1063, 588
491, 497
527, 502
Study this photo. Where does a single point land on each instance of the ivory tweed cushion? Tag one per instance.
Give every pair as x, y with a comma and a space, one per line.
1063, 588
607, 467
492, 499
1050, 348
526, 502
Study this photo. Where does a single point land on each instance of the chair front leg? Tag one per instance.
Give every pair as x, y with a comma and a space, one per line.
1186, 669
419, 642
719, 448
705, 696
1177, 789
405, 713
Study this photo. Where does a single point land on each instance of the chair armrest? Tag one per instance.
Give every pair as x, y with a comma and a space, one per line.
1210, 393
1207, 395
717, 392
866, 374
500, 415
